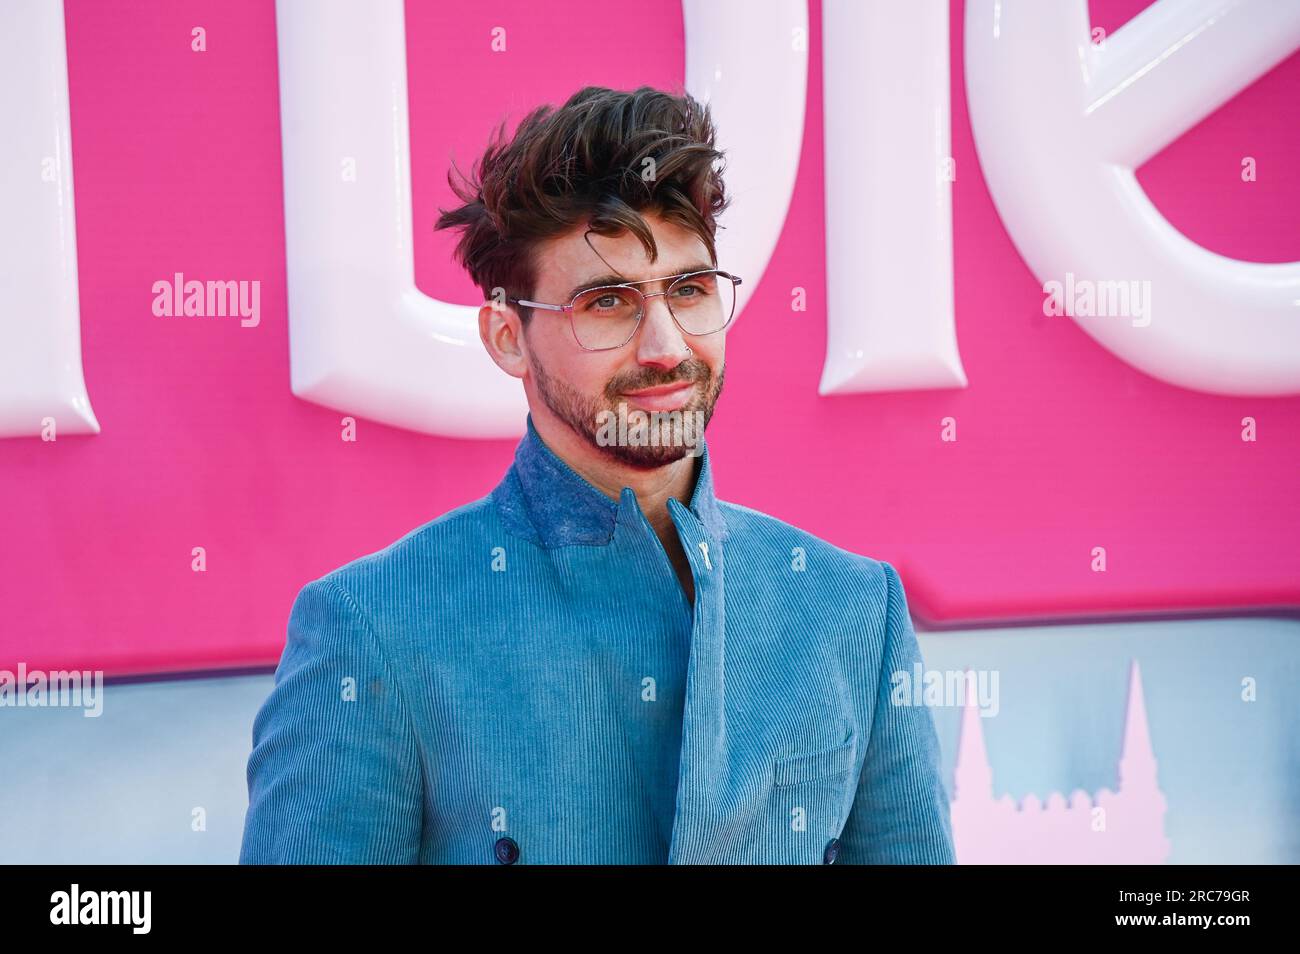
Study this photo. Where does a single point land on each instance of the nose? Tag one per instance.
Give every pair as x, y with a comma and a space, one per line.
659, 340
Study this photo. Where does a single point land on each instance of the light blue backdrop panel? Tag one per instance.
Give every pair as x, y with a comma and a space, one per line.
125, 787
1229, 769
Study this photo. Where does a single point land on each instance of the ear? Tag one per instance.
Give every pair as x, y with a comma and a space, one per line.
501, 331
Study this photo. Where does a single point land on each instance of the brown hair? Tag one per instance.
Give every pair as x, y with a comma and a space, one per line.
584, 163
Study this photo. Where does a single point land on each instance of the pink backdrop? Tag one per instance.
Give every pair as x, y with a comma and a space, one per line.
1063, 447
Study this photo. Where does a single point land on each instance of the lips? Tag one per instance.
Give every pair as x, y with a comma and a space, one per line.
664, 397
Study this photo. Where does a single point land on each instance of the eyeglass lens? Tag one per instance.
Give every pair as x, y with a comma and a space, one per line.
607, 317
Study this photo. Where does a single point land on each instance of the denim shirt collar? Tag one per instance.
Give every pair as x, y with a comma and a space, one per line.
543, 494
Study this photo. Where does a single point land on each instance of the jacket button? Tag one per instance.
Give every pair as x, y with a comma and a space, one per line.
507, 851
832, 850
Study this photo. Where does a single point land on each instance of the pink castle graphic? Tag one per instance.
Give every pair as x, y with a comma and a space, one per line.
1124, 827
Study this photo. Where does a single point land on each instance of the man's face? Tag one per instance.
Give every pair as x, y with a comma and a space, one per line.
585, 389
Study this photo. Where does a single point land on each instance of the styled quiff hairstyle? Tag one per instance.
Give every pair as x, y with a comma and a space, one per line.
586, 162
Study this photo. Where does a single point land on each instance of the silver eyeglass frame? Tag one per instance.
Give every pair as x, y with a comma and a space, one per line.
671, 279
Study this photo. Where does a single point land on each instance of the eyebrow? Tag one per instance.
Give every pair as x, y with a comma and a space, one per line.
600, 280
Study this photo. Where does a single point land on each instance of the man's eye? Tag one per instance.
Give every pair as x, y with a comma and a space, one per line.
607, 302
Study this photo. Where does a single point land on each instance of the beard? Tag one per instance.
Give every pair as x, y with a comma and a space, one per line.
584, 413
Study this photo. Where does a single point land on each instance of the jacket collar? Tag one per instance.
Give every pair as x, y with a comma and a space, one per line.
563, 508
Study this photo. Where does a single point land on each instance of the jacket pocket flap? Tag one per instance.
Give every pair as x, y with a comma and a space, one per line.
809, 766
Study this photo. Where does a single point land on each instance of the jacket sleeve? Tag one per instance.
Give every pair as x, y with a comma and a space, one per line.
334, 776
900, 814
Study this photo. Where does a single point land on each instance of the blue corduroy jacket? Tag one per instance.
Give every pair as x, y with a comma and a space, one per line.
524, 681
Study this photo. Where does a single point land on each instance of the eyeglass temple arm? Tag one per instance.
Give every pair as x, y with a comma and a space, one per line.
538, 304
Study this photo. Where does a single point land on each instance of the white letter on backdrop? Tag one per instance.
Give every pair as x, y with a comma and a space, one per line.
890, 323
40, 313
1061, 124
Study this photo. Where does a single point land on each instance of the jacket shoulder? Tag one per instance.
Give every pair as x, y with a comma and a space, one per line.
763, 530
422, 550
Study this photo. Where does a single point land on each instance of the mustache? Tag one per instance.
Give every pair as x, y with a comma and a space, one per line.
689, 370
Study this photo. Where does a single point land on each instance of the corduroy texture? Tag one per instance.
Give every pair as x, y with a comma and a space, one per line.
528, 667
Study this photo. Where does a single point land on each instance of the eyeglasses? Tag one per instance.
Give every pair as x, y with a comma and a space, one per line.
701, 303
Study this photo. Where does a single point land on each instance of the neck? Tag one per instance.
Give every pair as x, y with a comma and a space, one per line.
609, 475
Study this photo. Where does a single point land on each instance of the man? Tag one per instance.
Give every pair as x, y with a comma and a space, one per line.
599, 662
